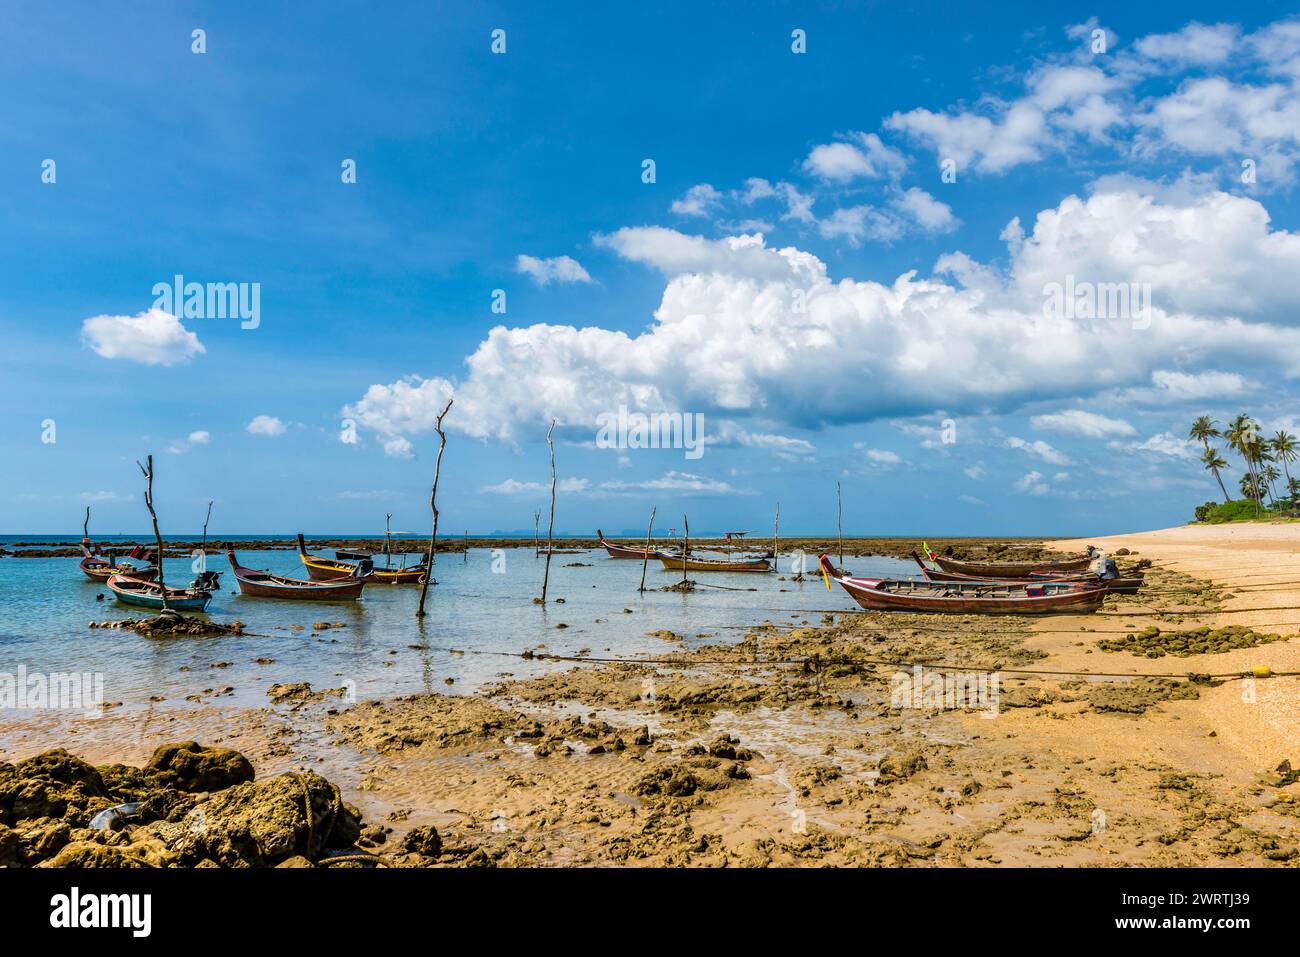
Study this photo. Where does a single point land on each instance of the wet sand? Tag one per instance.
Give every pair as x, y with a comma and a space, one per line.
783, 747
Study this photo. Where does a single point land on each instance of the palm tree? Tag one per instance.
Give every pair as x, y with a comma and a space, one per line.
1268, 475
1249, 489
1286, 451
1203, 430
1213, 461
1243, 438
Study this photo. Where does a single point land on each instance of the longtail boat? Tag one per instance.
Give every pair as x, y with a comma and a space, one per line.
147, 594
1003, 571
676, 562
975, 597
262, 584
323, 569
347, 554
1126, 584
638, 552
99, 568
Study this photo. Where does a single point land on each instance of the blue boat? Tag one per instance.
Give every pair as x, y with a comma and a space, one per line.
146, 594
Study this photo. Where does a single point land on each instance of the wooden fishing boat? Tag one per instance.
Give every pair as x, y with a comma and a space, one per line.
1003, 571
693, 564
1126, 584
639, 552
148, 594
262, 584
323, 569
969, 597
99, 568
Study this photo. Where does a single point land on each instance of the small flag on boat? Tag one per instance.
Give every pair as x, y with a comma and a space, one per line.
925, 546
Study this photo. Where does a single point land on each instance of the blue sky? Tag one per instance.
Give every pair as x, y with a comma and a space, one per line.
755, 282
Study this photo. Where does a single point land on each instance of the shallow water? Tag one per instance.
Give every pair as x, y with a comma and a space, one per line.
482, 603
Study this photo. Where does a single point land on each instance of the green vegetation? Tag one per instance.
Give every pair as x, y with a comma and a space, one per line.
1260, 484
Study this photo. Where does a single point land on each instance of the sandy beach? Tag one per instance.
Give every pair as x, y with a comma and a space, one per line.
788, 745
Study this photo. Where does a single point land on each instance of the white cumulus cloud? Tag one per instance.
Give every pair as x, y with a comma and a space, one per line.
555, 269
151, 338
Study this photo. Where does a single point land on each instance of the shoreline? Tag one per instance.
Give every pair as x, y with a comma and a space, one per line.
726, 755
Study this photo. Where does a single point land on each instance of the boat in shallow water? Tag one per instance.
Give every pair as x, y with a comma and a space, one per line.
639, 552
695, 564
262, 584
968, 597
100, 568
323, 569
148, 594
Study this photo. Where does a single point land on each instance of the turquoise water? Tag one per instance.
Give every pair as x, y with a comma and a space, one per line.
482, 603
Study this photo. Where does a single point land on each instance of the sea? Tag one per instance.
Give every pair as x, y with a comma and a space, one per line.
480, 618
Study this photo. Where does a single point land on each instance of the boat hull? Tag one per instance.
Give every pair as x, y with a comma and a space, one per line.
261, 584
965, 598
143, 594
1127, 585
677, 563
1004, 571
102, 573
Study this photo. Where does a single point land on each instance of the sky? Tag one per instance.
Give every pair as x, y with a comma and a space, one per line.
849, 243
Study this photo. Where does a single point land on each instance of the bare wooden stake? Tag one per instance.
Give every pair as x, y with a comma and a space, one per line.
388, 538
205, 533
550, 530
433, 504
686, 545
776, 531
645, 558
85, 525
466, 561
537, 522
147, 472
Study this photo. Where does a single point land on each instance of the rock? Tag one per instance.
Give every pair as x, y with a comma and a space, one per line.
901, 766
262, 823
53, 784
424, 840
189, 766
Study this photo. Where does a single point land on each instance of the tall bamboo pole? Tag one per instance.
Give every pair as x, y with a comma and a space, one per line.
645, 558
550, 529
433, 504
148, 501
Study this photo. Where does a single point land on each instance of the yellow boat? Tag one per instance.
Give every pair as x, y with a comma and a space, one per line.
321, 569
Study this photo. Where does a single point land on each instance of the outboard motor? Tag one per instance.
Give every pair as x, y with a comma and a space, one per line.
365, 568
1108, 570
207, 581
